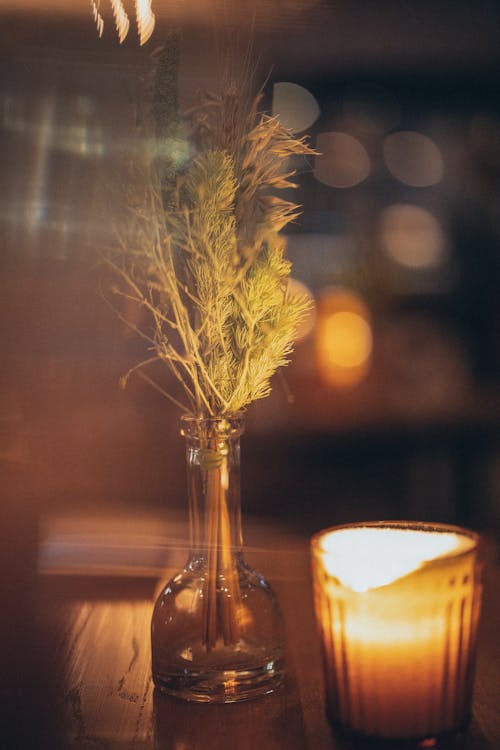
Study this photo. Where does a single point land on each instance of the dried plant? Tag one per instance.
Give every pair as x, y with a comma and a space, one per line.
205, 257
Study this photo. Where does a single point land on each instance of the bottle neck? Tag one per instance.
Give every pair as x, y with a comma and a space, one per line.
213, 475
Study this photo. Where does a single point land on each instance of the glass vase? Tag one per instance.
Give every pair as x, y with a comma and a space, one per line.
217, 630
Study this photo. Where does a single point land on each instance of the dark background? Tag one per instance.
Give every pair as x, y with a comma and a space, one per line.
412, 432
416, 433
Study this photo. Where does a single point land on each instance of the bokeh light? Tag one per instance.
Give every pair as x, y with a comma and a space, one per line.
344, 339
295, 106
413, 158
412, 237
342, 162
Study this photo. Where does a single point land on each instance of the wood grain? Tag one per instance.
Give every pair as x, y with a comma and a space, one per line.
108, 700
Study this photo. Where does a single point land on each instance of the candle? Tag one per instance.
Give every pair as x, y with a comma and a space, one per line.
397, 607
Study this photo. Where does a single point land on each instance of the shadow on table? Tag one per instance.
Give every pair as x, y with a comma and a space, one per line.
273, 722
473, 739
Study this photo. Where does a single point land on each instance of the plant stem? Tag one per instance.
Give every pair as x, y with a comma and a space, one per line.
222, 593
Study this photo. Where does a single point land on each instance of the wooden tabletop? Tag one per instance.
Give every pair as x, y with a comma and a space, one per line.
97, 629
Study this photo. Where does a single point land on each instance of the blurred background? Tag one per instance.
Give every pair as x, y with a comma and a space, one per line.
391, 407
391, 404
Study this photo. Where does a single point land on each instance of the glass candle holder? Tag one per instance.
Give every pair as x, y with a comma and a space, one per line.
397, 605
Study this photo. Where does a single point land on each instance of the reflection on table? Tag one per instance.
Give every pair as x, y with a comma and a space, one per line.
96, 629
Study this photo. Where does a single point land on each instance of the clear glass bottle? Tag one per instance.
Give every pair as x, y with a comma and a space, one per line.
217, 630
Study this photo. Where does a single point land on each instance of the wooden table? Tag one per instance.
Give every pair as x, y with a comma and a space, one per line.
97, 628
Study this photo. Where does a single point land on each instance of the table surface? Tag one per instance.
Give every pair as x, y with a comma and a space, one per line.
97, 626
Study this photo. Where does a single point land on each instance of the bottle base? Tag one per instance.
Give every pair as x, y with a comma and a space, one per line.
222, 685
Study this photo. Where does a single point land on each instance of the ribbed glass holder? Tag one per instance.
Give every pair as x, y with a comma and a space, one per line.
397, 605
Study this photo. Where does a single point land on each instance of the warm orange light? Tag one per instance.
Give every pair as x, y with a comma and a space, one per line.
348, 338
382, 556
145, 20
144, 17
97, 17
121, 19
343, 338
397, 606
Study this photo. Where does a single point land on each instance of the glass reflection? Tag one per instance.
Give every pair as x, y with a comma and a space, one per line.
36, 188
57, 162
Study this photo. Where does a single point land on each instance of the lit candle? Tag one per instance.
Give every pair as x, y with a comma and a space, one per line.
397, 607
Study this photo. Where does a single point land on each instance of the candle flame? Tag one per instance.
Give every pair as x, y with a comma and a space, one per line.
366, 557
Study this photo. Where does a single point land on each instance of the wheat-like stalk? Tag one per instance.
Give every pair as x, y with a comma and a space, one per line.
206, 259
203, 256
